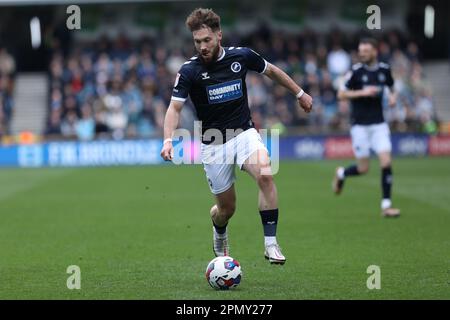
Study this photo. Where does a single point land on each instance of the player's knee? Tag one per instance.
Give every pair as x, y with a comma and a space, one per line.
265, 181
385, 159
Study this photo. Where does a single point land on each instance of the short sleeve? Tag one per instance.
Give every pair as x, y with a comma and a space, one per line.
254, 61
350, 81
182, 85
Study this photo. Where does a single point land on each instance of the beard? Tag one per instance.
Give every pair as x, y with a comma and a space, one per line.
368, 60
212, 56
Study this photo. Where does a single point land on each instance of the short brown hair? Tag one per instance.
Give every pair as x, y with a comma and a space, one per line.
372, 41
201, 17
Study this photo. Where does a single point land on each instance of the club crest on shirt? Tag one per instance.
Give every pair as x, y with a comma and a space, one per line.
235, 67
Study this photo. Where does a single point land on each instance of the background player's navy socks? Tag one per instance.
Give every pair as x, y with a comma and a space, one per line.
351, 171
269, 219
386, 182
220, 230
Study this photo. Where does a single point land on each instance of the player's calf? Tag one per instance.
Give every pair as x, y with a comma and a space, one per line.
221, 215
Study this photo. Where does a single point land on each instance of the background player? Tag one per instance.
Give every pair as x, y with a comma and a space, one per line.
365, 86
215, 81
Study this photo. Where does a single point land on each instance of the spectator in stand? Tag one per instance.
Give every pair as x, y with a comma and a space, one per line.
7, 62
54, 123
68, 125
338, 61
85, 126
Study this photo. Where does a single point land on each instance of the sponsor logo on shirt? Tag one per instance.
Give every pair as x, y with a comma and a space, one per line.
224, 92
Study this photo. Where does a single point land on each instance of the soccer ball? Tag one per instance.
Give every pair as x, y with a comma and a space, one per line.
223, 273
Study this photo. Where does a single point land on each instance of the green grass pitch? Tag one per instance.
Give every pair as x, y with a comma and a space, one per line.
145, 233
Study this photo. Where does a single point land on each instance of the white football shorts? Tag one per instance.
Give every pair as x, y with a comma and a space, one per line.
374, 136
219, 160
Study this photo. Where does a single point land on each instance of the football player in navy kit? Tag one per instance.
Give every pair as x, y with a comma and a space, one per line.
365, 86
215, 81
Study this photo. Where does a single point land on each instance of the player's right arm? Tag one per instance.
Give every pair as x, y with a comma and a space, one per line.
170, 124
179, 95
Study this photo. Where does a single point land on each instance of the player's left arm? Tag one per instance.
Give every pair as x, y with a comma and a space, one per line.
276, 74
392, 98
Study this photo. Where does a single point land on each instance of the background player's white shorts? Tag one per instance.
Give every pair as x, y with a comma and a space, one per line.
375, 136
219, 160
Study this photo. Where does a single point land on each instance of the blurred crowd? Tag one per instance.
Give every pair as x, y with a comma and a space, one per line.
112, 89
7, 71
121, 88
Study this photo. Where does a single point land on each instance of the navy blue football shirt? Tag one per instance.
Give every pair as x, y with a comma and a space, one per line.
368, 110
218, 90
